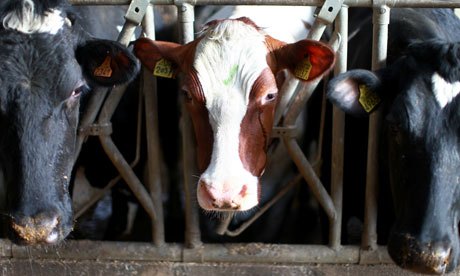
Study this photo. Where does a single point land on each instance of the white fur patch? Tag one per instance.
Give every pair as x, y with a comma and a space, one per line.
444, 91
50, 23
228, 59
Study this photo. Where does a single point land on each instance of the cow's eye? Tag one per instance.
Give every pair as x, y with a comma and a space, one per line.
75, 95
187, 96
270, 97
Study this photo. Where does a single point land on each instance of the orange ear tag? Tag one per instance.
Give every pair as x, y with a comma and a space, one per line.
163, 68
104, 70
368, 99
303, 68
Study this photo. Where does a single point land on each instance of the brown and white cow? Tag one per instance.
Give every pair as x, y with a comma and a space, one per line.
231, 93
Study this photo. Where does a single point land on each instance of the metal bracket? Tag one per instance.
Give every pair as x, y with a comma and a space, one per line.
136, 11
284, 132
96, 130
329, 11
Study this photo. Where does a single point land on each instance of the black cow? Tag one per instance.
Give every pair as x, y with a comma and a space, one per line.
417, 93
46, 61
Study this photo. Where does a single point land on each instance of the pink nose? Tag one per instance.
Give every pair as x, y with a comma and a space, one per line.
213, 199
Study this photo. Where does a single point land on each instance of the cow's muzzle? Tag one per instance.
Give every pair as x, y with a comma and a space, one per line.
421, 257
43, 228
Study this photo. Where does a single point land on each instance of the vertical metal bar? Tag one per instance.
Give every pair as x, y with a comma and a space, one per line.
90, 113
192, 228
154, 161
338, 133
381, 19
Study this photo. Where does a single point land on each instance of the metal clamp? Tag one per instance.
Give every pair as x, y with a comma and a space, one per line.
136, 11
329, 11
96, 130
284, 132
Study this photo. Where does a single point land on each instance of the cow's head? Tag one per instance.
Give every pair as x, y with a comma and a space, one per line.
231, 93
418, 94
46, 61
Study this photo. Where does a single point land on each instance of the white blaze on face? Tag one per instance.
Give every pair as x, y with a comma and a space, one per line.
443, 90
51, 22
229, 58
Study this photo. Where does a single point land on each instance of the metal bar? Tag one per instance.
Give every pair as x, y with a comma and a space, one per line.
115, 180
287, 91
349, 3
186, 18
99, 93
264, 208
94, 104
154, 160
306, 90
128, 175
381, 19
312, 180
338, 134
250, 253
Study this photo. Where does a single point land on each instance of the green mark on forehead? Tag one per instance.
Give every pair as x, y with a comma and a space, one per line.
232, 75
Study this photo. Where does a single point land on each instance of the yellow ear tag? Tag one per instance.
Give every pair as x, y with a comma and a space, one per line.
303, 68
368, 99
163, 68
104, 70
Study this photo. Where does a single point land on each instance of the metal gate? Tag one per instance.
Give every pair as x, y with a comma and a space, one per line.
252, 255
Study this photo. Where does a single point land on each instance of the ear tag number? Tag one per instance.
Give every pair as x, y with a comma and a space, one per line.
303, 68
163, 68
368, 99
104, 70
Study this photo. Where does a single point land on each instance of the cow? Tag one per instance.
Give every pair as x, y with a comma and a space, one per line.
47, 62
231, 93
417, 93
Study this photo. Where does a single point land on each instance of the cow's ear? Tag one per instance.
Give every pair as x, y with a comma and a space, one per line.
306, 59
106, 62
355, 92
164, 59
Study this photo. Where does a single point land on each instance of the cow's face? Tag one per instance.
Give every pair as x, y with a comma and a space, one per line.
421, 106
45, 64
231, 94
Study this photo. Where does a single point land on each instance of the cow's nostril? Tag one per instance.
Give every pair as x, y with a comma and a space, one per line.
243, 191
206, 193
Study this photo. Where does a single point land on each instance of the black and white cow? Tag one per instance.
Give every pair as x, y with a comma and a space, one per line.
46, 61
417, 93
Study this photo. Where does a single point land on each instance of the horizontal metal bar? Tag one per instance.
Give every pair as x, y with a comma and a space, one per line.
350, 3
234, 253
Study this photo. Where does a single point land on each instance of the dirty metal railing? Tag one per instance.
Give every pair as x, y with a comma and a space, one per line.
141, 11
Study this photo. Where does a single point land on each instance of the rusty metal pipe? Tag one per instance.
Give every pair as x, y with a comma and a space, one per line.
186, 18
349, 3
338, 134
381, 20
250, 253
154, 153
